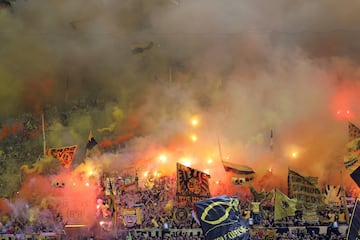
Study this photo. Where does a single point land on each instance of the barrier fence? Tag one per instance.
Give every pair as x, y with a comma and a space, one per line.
154, 232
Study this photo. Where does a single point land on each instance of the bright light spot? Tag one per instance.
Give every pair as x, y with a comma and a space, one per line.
101, 223
157, 174
163, 158
90, 173
194, 138
294, 154
186, 162
87, 184
209, 161
347, 112
338, 112
217, 182
146, 174
227, 157
207, 171
194, 121
270, 170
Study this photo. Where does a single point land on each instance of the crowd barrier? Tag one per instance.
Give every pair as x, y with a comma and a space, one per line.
155, 232
40, 236
198, 231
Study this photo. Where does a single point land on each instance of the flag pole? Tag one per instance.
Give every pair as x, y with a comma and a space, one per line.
346, 210
43, 132
220, 152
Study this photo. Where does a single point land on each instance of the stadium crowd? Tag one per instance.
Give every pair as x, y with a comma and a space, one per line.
157, 211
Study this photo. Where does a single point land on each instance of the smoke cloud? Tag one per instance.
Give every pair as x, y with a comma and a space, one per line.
137, 71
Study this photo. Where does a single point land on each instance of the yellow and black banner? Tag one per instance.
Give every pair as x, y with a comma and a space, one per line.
191, 183
354, 228
352, 157
220, 219
65, 154
304, 189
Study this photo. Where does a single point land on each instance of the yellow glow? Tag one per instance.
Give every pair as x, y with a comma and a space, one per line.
210, 161
194, 138
163, 158
186, 162
194, 121
294, 154
87, 184
146, 174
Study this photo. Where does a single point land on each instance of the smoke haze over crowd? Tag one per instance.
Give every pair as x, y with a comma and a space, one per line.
244, 68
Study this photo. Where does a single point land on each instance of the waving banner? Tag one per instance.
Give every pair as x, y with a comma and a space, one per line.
354, 228
192, 184
305, 189
220, 219
65, 154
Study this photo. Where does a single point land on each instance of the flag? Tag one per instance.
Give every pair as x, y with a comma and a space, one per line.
332, 195
131, 216
140, 48
354, 131
355, 175
181, 215
351, 159
220, 218
192, 183
284, 206
259, 196
354, 227
91, 142
242, 173
304, 189
65, 155
309, 214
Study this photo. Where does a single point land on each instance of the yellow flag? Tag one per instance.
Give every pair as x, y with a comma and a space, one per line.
284, 206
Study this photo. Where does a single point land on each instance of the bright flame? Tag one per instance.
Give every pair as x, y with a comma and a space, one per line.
186, 162
194, 138
163, 158
194, 121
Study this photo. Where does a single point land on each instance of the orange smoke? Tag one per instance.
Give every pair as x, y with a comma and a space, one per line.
118, 140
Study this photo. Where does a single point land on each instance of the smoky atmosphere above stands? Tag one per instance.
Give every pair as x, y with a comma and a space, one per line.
269, 85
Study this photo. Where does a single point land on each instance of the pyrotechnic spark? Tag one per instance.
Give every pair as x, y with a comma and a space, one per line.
163, 158
186, 162
194, 122
194, 138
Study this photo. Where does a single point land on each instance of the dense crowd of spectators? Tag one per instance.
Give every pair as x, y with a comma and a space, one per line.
156, 203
